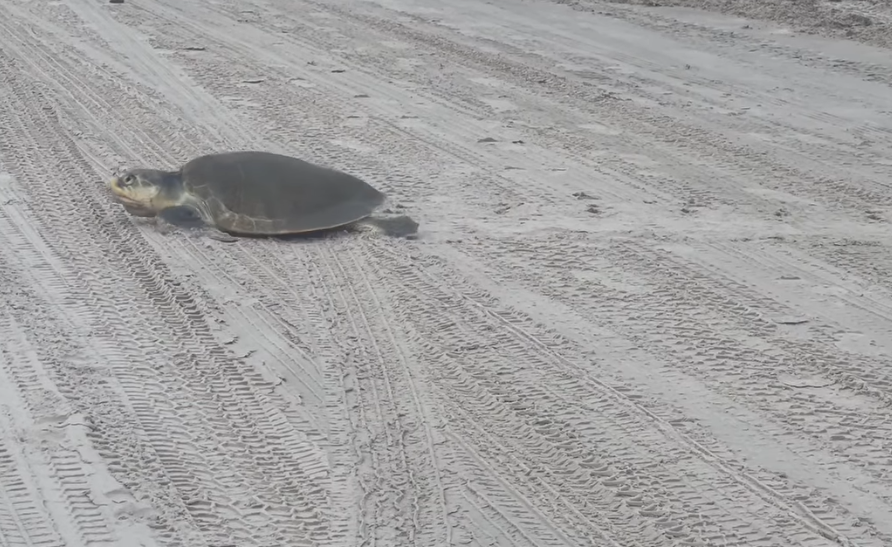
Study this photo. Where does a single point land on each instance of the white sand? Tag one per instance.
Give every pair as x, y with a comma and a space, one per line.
652, 308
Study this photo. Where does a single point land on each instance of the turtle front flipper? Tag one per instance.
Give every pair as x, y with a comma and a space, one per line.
183, 216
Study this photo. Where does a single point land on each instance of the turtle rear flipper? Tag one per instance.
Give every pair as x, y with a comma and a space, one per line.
182, 216
400, 226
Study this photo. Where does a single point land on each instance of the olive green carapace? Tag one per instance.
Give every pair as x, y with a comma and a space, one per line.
262, 193
250, 193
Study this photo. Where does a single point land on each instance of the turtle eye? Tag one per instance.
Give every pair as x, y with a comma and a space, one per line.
129, 179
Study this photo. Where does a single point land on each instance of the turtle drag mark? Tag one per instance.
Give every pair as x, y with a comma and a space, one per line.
647, 305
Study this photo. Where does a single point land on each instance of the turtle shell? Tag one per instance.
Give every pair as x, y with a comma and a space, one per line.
267, 194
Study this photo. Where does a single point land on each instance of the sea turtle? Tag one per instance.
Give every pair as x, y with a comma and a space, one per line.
256, 193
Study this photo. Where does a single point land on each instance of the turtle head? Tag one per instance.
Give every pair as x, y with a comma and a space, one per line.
144, 192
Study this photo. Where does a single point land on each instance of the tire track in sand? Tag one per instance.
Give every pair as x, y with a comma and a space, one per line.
329, 280
523, 427
660, 173
690, 325
582, 391
200, 254
194, 255
23, 523
394, 121
258, 94
202, 445
45, 489
128, 131
49, 379
744, 163
395, 453
25, 520
473, 342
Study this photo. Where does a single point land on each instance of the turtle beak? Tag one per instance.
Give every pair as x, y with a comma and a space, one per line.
130, 205
114, 184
